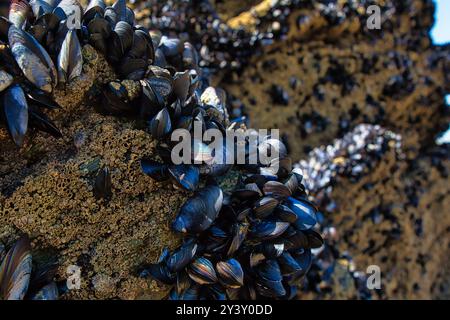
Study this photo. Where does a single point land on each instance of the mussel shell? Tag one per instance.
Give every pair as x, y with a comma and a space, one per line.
161, 85
268, 282
15, 271
276, 189
40, 121
19, 12
151, 101
306, 213
95, 7
230, 273
115, 99
182, 256
199, 212
170, 46
160, 272
32, 59
284, 213
288, 264
202, 271
264, 207
315, 240
161, 125
239, 232
155, 170
70, 59
265, 230
15, 112
103, 185
187, 176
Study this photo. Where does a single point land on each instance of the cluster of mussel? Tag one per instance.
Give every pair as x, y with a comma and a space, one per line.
251, 243
17, 281
41, 48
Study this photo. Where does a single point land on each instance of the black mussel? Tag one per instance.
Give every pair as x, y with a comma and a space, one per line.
276, 189
199, 212
183, 283
182, 256
216, 239
160, 272
288, 264
154, 169
314, 239
185, 175
303, 257
40, 98
41, 122
15, 271
171, 46
230, 273
251, 191
297, 240
293, 181
284, 213
306, 213
32, 59
15, 113
238, 234
161, 125
264, 207
151, 101
162, 85
19, 12
202, 271
269, 280
103, 186
271, 250
115, 99
265, 230
70, 59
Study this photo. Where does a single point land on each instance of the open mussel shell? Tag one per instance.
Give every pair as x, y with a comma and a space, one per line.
15, 113
161, 125
199, 212
187, 176
182, 256
32, 59
156, 170
202, 271
265, 230
230, 273
15, 271
306, 213
70, 59
103, 185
